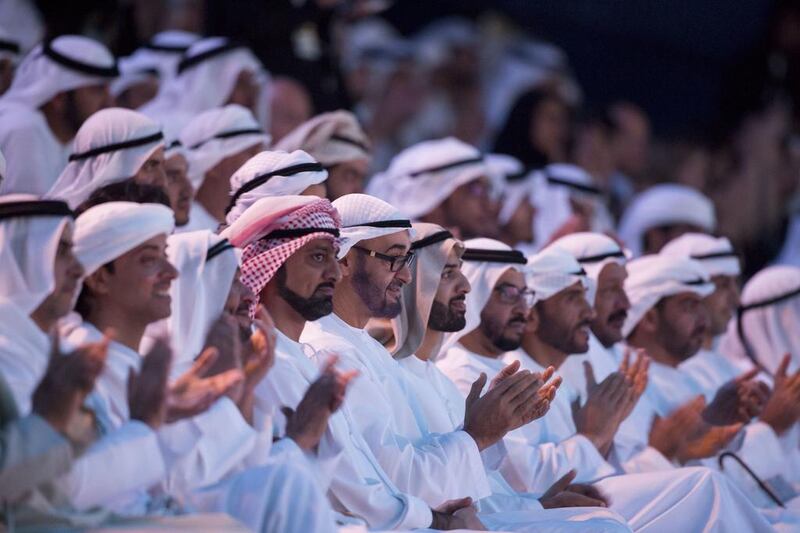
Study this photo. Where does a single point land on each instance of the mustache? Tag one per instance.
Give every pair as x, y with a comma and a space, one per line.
517, 319
619, 315
461, 298
325, 285
395, 284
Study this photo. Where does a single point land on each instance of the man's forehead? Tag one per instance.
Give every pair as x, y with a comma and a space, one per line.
159, 242
319, 244
612, 272
400, 241
511, 276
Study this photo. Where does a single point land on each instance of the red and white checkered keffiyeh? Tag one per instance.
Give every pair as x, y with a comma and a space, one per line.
263, 257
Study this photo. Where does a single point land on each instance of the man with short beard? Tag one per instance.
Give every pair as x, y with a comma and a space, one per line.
375, 258
604, 262
435, 305
294, 275
551, 447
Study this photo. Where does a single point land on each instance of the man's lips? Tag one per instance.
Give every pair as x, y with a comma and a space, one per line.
459, 304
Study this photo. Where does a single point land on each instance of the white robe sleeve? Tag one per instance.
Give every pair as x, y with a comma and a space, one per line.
124, 461
433, 467
225, 442
375, 500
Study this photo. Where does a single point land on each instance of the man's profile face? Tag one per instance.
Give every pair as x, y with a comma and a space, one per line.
564, 320
472, 210
347, 177
372, 278
179, 188
152, 170
681, 324
611, 304
722, 303
308, 277
141, 280
86, 101
503, 319
448, 312
67, 273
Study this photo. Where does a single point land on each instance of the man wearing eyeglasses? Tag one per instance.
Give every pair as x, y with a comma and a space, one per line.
374, 259
557, 448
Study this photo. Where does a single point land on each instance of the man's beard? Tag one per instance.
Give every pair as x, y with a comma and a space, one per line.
494, 332
443, 319
373, 297
312, 308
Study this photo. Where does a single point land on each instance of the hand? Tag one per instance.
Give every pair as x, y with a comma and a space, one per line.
504, 408
224, 337
59, 397
590, 491
456, 514
782, 410
559, 496
307, 424
709, 444
606, 406
195, 392
546, 393
259, 353
147, 390
635, 376
739, 400
668, 434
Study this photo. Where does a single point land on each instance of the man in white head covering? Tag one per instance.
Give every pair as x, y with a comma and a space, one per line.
122, 245
765, 326
549, 451
434, 304
40, 281
445, 182
213, 72
662, 213
604, 262
339, 143
38, 435
374, 261
218, 142
567, 200
668, 319
178, 186
57, 86
114, 145
517, 211
709, 367
274, 173
9, 54
165, 50
137, 83
293, 274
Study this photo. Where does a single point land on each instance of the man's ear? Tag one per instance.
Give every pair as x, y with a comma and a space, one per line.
98, 282
346, 263
649, 323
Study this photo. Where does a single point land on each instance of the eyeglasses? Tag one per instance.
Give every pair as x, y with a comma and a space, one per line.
511, 295
396, 262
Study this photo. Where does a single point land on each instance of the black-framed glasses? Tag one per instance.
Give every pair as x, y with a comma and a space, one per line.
396, 262
511, 295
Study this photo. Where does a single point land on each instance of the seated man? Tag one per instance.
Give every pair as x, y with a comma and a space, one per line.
435, 467
445, 182
56, 88
669, 320
218, 142
113, 145
274, 174
128, 289
545, 450
339, 143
